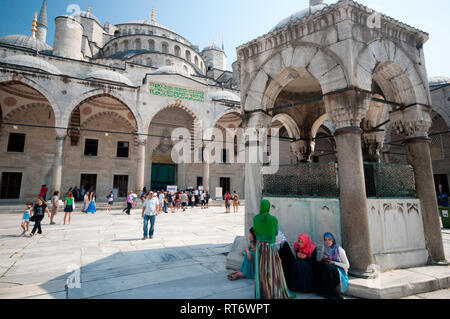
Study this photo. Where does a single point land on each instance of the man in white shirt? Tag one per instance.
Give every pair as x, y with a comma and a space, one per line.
149, 213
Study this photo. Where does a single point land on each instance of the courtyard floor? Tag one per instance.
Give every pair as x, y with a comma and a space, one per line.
186, 258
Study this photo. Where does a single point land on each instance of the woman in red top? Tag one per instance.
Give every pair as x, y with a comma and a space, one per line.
227, 202
43, 192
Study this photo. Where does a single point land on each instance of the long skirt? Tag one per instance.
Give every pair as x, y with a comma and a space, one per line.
248, 266
328, 279
91, 208
302, 276
269, 276
287, 260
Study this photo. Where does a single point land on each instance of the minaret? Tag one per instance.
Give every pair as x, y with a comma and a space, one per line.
42, 26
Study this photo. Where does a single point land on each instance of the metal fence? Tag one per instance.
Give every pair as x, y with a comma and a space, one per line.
321, 180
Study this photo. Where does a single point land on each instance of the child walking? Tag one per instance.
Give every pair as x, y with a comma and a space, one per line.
26, 218
68, 207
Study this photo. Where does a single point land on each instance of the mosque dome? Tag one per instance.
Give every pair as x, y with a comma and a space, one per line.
110, 76
438, 80
225, 96
26, 42
86, 14
150, 23
314, 7
171, 69
31, 62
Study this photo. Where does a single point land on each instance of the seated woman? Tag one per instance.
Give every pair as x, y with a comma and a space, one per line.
286, 256
303, 269
332, 270
248, 264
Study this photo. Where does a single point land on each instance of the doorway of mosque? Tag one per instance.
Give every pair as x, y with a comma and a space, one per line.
10, 185
121, 184
89, 182
162, 175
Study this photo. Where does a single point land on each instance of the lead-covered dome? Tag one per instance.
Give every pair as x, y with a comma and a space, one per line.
109, 76
438, 80
88, 15
31, 62
225, 96
150, 23
171, 69
28, 42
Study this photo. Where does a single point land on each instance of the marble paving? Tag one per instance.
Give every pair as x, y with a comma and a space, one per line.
186, 258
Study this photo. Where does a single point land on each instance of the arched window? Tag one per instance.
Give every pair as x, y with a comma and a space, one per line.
116, 48
177, 50
125, 45
196, 61
136, 31
165, 47
151, 45
117, 33
168, 62
188, 55
185, 69
138, 44
149, 62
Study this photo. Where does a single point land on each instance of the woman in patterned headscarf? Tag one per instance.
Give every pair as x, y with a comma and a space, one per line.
303, 270
269, 277
332, 269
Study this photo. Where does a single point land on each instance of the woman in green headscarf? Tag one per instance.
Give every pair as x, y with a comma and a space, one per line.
269, 277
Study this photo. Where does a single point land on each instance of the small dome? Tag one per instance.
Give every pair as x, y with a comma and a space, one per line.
299, 15
225, 96
171, 69
438, 80
25, 42
110, 76
88, 15
31, 62
213, 47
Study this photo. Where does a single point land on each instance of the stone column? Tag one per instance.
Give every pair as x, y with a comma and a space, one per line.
59, 161
346, 110
414, 123
303, 150
253, 167
206, 173
140, 173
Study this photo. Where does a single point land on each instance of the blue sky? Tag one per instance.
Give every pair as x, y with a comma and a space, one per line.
238, 21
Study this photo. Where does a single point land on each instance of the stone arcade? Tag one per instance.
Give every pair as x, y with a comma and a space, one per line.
120, 90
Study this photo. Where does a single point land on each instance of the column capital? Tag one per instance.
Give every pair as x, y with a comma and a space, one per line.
303, 150
142, 140
347, 108
259, 120
413, 122
372, 144
60, 133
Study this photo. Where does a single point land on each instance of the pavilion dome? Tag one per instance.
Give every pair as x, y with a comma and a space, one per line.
24, 41
299, 15
438, 80
31, 62
110, 76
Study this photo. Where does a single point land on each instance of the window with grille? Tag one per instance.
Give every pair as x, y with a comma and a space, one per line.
123, 149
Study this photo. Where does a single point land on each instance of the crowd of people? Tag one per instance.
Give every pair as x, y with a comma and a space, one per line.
277, 271
165, 201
